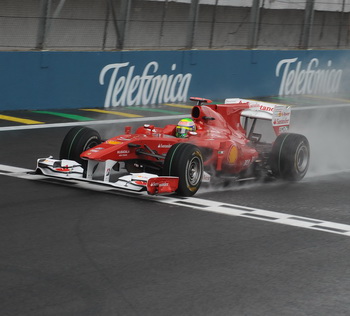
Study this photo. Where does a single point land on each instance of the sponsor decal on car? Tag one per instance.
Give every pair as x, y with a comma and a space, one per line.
123, 151
95, 149
246, 162
113, 142
63, 169
281, 115
164, 145
283, 129
232, 155
140, 182
266, 108
162, 184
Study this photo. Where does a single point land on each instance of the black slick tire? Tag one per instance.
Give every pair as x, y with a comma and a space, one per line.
78, 140
185, 161
290, 156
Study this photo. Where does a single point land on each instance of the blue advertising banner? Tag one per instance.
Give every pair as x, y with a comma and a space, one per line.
48, 80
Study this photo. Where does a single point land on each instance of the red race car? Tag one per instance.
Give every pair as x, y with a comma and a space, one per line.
217, 141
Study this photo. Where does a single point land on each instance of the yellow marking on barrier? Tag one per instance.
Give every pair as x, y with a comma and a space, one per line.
112, 112
19, 120
179, 105
327, 98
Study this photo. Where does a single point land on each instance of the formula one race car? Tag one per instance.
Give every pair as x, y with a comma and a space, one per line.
219, 140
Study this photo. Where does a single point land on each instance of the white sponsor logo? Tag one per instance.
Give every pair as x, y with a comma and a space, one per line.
147, 88
283, 129
246, 163
164, 184
311, 79
164, 145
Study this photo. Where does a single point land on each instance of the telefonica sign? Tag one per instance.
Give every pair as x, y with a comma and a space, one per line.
297, 78
147, 88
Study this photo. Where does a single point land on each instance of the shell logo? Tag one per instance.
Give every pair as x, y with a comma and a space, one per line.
232, 155
113, 142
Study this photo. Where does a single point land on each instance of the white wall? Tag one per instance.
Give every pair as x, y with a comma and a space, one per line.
320, 5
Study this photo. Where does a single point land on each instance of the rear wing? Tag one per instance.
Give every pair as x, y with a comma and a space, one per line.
278, 114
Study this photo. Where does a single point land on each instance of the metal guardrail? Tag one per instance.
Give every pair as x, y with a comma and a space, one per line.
167, 25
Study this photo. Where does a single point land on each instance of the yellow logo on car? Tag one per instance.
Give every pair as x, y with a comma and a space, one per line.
232, 155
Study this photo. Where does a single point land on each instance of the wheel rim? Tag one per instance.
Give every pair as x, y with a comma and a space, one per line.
92, 142
302, 158
194, 171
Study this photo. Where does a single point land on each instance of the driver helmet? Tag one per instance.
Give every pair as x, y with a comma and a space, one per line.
184, 126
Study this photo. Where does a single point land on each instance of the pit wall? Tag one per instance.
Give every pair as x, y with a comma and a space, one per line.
58, 80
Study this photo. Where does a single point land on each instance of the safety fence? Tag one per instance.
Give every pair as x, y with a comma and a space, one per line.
101, 25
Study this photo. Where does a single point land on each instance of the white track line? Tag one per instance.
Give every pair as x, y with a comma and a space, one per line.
196, 203
263, 215
10, 169
89, 123
320, 107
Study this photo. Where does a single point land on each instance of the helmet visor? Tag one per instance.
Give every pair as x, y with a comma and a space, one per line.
181, 131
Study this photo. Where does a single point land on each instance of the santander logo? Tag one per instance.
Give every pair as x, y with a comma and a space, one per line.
297, 78
149, 87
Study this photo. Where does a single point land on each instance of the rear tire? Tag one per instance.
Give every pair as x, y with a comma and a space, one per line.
185, 161
290, 157
78, 140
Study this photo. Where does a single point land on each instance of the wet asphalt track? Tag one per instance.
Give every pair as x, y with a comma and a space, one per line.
69, 251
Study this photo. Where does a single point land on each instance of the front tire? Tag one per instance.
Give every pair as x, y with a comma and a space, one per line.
78, 140
185, 161
290, 157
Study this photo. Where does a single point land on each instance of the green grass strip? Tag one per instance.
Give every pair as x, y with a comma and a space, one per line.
65, 115
152, 110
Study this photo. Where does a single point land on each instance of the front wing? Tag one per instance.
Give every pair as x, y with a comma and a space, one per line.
143, 181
